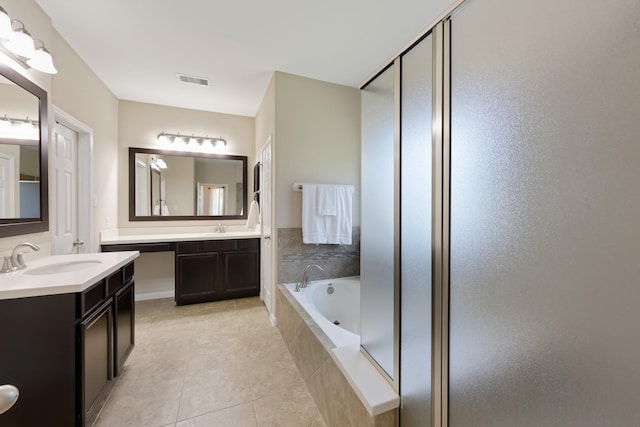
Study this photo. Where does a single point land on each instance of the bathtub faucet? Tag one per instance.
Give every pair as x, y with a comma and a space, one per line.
303, 283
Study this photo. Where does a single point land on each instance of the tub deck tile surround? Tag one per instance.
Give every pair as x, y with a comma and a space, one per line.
311, 349
307, 352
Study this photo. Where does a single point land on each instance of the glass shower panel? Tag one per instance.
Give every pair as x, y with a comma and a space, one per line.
545, 214
415, 226
377, 220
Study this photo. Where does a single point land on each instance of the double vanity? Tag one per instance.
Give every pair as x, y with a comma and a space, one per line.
67, 329
209, 265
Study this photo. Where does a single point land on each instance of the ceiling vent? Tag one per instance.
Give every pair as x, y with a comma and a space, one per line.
202, 81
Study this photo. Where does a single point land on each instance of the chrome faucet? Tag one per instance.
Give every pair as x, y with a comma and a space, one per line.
303, 283
16, 261
219, 228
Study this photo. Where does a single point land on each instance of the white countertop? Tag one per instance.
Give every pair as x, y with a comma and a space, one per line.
24, 283
157, 235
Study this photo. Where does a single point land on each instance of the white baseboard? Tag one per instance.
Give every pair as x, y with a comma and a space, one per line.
155, 295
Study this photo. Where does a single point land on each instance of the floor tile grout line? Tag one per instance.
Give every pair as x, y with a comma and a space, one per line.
253, 312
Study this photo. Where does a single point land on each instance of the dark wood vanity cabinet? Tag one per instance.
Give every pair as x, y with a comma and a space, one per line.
38, 355
95, 345
105, 339
124, 321
64, 352
213, 270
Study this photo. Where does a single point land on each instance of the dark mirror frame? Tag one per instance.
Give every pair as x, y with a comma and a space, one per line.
18, 226
132, 196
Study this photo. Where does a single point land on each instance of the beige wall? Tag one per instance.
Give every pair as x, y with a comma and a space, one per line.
318, 128
140, 125
80, 93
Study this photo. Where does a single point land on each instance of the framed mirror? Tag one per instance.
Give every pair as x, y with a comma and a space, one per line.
24, 131
167, 185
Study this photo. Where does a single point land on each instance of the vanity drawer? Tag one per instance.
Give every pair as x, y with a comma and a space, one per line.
218, 245
141, 247
248, 244
205, 246
187, 247
92, 297
114, 282
128, 272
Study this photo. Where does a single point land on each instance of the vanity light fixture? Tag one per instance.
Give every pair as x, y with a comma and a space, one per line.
5, 122
17, 42
5, 25
41, 59
13, 128
21, 43
164, 137
158, 163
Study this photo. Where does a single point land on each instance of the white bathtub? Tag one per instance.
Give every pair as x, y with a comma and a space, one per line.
338, 300
337, 312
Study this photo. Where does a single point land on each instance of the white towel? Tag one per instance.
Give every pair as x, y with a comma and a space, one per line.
329, 229
327, 199
253, 218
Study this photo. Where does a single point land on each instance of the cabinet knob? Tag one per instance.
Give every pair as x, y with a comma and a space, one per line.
78, 242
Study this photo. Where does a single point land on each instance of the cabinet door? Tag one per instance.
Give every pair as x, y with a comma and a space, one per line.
240, 274
123, 326
96, 360
37, 355
197, 278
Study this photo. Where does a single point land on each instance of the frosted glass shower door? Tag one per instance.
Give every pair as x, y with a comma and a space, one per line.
377, 255
545, 214
415, 232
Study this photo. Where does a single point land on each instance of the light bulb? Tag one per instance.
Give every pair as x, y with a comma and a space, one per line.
21, 42
5, 123
5, 25
42, 61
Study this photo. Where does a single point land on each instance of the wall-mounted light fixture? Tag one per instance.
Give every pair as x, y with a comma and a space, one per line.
176, 138
14, 128
17, 42
157, 163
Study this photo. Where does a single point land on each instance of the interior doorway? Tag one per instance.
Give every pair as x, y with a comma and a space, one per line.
7, 185
266, 254
71, 230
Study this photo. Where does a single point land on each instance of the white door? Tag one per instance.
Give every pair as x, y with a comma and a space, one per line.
266, 280
7, 185
65, 182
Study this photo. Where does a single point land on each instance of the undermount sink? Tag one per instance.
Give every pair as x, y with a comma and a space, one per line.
62, 267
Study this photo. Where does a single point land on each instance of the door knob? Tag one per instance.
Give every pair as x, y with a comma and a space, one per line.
267, 237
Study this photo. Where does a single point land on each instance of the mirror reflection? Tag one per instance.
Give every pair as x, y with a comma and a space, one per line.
168, 185
19, 152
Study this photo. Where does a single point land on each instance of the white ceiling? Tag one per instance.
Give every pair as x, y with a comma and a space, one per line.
136, 47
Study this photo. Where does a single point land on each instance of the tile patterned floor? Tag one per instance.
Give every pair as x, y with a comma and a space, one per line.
216, 364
